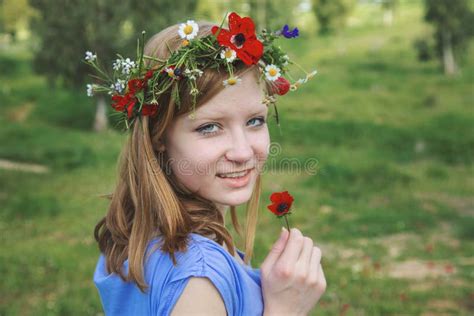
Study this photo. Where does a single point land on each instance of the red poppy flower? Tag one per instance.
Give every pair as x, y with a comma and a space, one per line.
122, 102
130, 106
241, 38
281, 203
119, 102
136, 85
282, 86
149, 74
149, 109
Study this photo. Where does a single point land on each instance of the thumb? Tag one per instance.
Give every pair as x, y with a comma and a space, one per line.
277, 248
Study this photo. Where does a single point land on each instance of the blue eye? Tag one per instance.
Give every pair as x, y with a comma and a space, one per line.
205, 129
208, 129
262, 120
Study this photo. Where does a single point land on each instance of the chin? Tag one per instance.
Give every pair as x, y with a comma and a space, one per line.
235, 198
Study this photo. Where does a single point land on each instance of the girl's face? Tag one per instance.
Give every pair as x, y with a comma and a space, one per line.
228, 134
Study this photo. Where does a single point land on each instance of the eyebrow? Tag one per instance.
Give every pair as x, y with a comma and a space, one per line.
219, 117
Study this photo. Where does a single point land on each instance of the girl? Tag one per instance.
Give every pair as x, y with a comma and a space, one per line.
164, 245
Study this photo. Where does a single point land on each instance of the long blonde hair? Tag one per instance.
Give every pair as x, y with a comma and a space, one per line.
148, 200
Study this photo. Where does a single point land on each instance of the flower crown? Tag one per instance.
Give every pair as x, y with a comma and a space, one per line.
134, 89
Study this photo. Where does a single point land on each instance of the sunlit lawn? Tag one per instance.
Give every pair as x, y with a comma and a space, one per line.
390, 201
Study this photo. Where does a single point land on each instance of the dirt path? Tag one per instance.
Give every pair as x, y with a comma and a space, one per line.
20, 166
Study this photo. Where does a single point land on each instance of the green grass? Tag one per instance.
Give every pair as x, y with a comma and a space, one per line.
393, 144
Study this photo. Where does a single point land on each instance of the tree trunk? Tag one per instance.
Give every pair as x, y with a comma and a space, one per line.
449, 63
100, 122
388, 17
261, 14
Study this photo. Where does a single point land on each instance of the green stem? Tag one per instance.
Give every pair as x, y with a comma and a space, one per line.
301, 68
286, 220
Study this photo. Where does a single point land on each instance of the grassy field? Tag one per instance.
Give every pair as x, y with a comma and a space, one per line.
391, 203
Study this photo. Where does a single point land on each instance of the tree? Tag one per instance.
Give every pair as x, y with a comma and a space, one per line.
453, 22
331, 14
66, 31
14, 14
105, 26
154, 15
272, 15
388, 7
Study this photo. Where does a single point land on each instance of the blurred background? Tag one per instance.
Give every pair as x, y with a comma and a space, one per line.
388, 120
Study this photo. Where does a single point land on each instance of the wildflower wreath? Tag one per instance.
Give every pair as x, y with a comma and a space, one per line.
134, 89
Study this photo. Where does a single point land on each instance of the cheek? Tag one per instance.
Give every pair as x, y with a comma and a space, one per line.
262, 145
194, 162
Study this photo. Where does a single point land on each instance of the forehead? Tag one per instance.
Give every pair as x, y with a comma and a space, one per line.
243, 98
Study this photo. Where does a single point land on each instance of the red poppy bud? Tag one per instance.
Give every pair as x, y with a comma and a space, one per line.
149, 74
282, 86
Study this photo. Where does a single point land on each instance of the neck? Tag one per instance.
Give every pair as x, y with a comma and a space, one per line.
223, 209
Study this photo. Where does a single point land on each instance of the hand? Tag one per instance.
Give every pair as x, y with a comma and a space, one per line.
292, 277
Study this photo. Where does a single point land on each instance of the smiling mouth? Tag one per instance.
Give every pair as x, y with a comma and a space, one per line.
234, 175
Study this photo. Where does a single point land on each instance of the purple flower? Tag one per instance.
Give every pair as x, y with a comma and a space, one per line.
289, 34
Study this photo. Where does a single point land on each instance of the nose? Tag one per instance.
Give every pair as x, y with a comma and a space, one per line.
240, 149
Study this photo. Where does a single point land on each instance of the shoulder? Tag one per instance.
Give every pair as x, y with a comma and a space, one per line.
200, 296
206, 268
203, 257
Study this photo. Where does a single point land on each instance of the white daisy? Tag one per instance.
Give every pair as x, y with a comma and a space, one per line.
193, 73
199, 72
232, 81
228, 54
90, 57
272, 72
188, 30
90, 90
170, 71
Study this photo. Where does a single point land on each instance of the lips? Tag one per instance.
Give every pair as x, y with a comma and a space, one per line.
235, 172
237, 182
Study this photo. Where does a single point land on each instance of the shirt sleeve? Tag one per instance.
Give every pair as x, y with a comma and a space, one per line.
204, 259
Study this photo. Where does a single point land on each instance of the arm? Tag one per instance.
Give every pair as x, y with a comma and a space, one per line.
200, 297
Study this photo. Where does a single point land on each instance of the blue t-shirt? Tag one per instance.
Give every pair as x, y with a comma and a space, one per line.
239, 285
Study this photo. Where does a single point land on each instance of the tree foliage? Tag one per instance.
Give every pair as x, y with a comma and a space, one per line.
453, 22
331, 14
13, 14
107, 27
154, 15
66, 31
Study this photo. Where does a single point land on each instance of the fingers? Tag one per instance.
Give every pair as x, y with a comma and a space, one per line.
292, 250
304, 260
314, 266
316, 278
322, 279
276, 250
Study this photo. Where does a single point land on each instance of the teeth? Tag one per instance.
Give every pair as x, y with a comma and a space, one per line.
233, 175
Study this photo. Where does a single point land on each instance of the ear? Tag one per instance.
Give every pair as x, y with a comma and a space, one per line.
161, 146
